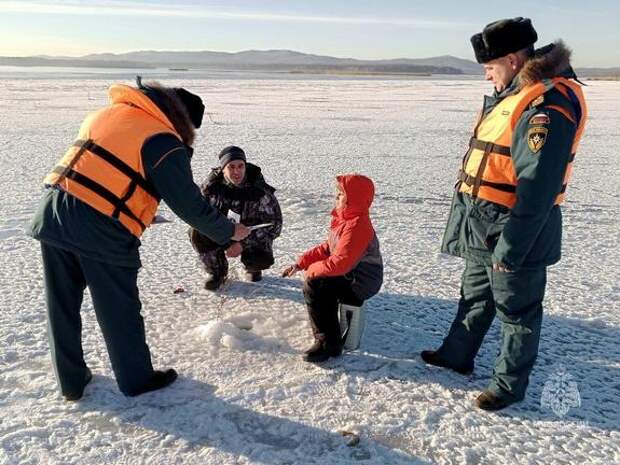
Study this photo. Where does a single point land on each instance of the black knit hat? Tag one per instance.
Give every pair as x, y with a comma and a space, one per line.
231, 153
502, 37
194, 105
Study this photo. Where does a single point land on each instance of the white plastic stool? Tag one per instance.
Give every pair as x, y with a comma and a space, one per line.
351, 325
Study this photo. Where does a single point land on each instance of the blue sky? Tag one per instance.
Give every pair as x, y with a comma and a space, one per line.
348, 28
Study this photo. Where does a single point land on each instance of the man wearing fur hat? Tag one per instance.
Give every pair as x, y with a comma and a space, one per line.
101, 197
505, 219
238, 189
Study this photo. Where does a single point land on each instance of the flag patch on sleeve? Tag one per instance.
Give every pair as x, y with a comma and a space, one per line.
540, 118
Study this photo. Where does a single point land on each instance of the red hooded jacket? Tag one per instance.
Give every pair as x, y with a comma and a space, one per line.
350, 236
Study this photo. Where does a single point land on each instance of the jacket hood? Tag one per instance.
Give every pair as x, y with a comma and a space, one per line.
161, 103
550, 61
360, 192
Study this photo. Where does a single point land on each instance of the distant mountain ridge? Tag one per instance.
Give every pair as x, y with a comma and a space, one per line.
281, 60
69, 62
277, 60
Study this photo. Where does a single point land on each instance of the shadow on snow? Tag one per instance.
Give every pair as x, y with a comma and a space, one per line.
399, 327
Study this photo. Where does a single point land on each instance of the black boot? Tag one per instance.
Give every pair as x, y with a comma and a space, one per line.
322, 353
432, 357
318, 338
253, 276
314, 347
159, 380
214, 282
491, 402
322, 349
73, 396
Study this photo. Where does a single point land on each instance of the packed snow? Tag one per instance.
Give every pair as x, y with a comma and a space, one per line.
244, 396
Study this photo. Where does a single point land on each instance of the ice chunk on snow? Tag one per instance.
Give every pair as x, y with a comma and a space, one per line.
211, 332
234, 333
234, 343
244, 321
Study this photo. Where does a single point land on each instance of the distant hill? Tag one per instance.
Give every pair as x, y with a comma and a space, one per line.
598, 72
292, 59
466, 66
274, 60
70, 62
277, 60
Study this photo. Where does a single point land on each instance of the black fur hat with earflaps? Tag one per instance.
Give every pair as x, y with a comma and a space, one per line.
502, 37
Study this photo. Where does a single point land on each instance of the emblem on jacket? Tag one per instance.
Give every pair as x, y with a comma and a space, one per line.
536, 138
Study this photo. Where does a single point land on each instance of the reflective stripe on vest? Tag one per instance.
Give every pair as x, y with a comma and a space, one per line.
487, 171
103, 168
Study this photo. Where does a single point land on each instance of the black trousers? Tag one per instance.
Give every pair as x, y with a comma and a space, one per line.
114, 293
322, 296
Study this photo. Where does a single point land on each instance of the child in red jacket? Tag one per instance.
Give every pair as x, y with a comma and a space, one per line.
346, 268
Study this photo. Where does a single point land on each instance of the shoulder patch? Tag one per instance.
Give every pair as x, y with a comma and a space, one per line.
536, 138
537, 101
540, 118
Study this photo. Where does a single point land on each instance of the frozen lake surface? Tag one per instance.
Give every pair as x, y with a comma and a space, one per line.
244, 396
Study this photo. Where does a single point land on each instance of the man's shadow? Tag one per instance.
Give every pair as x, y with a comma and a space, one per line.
191, 410
573, 354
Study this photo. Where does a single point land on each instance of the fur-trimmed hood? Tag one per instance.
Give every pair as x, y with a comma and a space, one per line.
550, 61
171, 105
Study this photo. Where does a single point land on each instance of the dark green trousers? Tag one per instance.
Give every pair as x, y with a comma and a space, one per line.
114, 293
516, 298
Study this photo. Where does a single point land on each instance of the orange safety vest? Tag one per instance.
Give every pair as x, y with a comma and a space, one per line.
103, 168
488, 171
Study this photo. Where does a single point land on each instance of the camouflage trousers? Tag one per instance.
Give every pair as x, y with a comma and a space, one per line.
257, 255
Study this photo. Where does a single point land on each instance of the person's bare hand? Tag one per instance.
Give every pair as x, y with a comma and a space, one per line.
234, 250
241, 232
290, 271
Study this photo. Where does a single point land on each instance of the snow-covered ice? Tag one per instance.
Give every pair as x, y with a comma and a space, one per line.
243, 395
